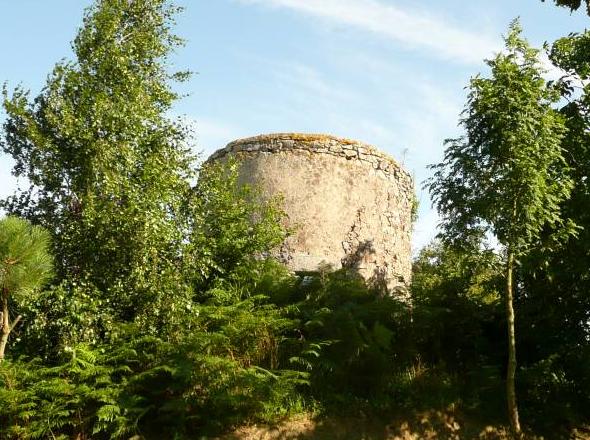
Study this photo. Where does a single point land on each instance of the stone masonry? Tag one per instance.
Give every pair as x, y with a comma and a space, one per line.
350, 205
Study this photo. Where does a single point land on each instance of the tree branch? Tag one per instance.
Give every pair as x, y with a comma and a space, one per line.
16, 321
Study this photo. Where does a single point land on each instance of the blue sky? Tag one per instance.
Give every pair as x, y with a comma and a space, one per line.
387, 72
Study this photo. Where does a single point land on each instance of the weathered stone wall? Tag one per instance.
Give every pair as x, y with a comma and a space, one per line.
350, 204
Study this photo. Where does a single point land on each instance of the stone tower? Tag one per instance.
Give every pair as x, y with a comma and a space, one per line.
349, 204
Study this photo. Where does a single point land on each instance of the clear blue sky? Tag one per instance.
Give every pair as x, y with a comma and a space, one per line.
387, 72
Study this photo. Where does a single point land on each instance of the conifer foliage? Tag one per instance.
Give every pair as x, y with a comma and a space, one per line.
25, 264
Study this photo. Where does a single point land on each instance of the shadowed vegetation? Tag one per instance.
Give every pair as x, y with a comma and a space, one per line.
167, 317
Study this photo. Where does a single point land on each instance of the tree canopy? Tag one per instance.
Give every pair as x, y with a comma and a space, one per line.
573, 5
108, 170
507, 176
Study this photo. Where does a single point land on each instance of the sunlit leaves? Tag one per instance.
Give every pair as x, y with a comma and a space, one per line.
507, 174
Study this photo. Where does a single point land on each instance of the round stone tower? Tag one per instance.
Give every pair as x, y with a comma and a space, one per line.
349, 205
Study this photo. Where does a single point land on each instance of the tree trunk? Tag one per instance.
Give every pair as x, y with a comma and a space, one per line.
5, 324
511, 370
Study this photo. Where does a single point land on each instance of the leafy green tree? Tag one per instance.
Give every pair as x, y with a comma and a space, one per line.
108, 170
25, 264
458, 322
554, 303
230, 224
570, 262
456, 294
566, 269
507, 175
573, 5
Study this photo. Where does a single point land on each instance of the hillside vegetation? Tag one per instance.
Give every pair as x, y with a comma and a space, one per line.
139, 299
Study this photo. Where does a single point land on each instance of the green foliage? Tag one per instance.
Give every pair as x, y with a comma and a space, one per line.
54, 401
573, 5
550, 393
223, 371
352, 339
107, 170
230, 223
25, 265
472, 272
160, 322
458, 309
170, 319
554, 299
149, 386
571, 54
557, 280
63, 316
507, 175
458, 327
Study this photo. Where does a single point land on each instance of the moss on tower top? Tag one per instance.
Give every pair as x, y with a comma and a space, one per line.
314, 143
303, 137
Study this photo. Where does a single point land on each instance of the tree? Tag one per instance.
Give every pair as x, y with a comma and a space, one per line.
555, 297
457, 302
507, 175
232, 223
108, 170
25, 264
574, 5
